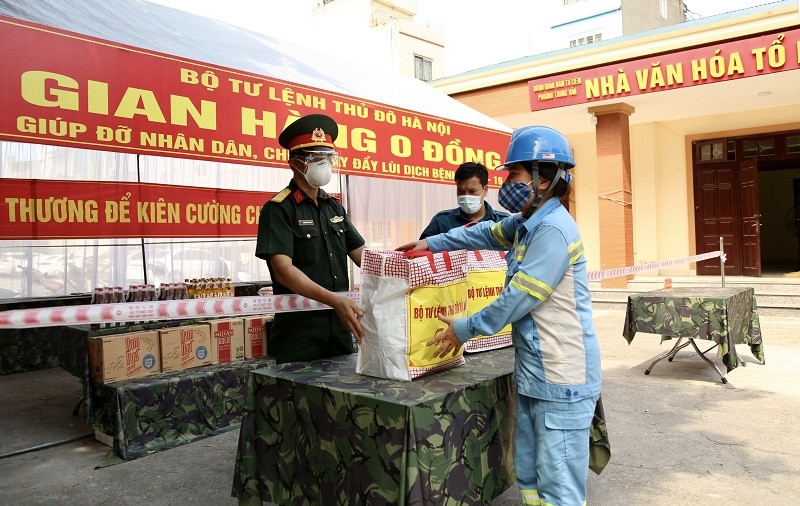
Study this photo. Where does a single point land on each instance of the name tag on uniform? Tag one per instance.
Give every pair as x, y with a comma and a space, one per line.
305, 223
337, 219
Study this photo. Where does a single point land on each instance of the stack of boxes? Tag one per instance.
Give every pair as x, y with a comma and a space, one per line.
227, 340
256, 332
136, 354
185, 347
123, 356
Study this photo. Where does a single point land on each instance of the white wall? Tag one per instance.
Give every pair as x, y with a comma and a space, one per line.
586, 207
661, 197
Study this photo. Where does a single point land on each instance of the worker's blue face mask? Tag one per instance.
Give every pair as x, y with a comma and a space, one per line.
513, 196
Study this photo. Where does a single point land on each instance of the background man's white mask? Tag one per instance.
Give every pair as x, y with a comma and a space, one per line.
470, 204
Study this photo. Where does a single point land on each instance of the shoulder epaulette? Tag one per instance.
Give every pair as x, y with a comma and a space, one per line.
281, 195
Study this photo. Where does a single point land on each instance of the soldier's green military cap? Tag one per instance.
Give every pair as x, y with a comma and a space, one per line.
309, 131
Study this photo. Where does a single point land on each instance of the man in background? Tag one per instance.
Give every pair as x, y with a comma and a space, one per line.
472, 180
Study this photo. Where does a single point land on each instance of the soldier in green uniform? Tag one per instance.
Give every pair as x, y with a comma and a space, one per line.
305, 236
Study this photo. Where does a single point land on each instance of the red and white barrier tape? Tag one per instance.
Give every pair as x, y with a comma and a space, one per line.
159, 310
652, 266
230, 306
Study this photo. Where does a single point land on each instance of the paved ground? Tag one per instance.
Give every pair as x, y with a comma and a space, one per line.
678, 436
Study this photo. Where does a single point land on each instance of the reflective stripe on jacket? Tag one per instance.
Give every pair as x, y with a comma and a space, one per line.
546, 298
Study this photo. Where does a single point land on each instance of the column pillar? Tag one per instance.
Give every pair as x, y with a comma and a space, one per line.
612, 134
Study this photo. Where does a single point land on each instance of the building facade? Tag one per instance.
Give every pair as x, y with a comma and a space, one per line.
684, 136
381, 33
581, 22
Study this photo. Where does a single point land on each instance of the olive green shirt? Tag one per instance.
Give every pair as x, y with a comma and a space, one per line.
318, 239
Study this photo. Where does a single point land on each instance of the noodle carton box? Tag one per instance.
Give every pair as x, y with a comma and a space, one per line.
185, 347
227, 340
256, 331
124, 356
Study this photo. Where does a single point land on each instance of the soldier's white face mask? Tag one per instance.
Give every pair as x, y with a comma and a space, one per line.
318, 174
470, 204
319, 168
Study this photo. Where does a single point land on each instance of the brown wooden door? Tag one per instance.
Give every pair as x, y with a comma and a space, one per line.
751, 218
716, 198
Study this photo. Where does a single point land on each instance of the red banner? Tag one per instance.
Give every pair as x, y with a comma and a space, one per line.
69, 89
48, 209
762, 54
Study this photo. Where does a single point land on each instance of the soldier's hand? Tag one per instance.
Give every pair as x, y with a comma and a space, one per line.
445, 340
349, 312
414, 246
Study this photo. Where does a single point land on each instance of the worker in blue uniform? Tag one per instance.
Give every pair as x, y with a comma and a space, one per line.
548, 302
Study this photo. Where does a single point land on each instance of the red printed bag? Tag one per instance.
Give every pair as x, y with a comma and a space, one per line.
401, 296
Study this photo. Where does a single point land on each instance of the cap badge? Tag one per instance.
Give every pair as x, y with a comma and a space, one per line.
318, 135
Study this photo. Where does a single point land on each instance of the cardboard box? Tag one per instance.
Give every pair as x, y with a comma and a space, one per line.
227, 340
185, 347
124, 356
256, 332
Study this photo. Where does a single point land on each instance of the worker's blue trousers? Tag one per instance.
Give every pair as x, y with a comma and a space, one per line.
551, 450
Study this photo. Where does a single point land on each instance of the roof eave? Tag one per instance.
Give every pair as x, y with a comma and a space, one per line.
684, 35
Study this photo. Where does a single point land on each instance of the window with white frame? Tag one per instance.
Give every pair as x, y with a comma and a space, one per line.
423, 68
589, 39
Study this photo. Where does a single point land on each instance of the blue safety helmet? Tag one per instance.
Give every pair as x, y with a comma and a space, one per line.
541, 144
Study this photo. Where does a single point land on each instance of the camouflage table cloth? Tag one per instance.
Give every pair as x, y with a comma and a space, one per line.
147, 415
150, 414
33, 348
319, 433
727, 316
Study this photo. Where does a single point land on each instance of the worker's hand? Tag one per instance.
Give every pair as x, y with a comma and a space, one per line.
445, 340
349, 312
414, 246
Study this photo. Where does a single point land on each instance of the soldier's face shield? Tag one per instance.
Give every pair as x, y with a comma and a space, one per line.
319, 165
320, 157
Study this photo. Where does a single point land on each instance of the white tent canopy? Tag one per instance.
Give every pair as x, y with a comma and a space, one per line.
386, 212
159, 28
